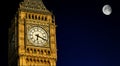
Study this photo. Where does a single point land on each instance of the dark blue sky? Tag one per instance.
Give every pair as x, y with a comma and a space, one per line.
85, 36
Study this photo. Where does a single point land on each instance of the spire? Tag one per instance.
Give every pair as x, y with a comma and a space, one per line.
33, 5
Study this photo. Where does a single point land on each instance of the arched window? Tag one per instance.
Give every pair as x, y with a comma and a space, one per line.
38, 17
45, 18
37, 60
38, 51
35, 16
44, 61
27, 49
45, 51
48, 52
31, 50
29, 16
41, 61
48, 62
27, 59
32, 16
41, 51
42, 18
34, 50
34, 60
31, 59
26, 15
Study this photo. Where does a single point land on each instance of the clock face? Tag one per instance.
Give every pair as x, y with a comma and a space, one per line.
37, 36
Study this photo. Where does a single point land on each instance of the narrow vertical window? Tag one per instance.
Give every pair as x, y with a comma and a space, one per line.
29, 16
26, 15
39, 18
45, 18
42, 18
35, 16
32, 16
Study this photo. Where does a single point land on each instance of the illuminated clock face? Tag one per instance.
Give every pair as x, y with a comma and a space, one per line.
37, 36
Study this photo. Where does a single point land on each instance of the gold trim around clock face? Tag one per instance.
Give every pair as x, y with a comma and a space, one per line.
38, 36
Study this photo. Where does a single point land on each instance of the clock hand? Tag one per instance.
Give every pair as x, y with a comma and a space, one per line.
37, 36
42, 38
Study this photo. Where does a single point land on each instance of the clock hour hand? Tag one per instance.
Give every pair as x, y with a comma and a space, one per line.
37, 36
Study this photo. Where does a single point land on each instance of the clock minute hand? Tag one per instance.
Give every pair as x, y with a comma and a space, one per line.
42, 38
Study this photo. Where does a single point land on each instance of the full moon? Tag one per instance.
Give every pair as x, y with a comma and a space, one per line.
107, 10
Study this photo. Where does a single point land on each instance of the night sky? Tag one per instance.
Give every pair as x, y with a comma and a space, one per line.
85, 36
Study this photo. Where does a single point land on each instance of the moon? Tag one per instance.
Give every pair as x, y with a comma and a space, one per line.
107, 10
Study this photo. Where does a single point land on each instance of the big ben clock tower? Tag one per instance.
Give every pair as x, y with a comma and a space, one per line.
32, 36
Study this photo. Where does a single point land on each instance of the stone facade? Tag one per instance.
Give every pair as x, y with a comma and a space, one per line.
21, 52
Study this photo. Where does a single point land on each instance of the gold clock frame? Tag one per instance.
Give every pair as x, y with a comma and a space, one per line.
44, 27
